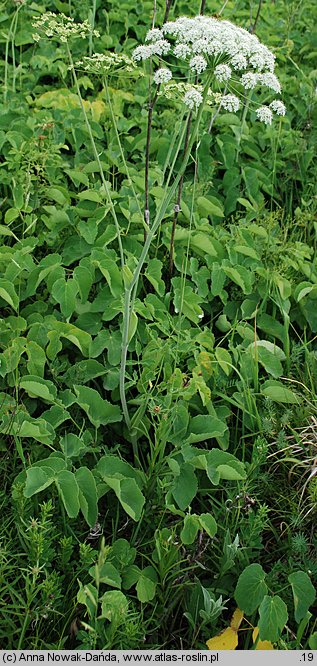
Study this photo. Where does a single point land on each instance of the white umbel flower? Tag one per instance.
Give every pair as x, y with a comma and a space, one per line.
278, 107
223, 73
198, 64
142, 52
230, 103
239, 61
270, 81
153, 35
160, 47
182, 51
249, 80
145, 51
162, 75
264, 114
193, 98
208, 46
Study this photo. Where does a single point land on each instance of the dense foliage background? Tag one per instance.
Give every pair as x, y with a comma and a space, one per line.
151, 536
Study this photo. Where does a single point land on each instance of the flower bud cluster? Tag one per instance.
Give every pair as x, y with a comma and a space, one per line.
104, 62
207, 44
61, 27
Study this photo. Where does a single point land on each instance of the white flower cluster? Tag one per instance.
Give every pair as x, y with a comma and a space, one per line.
223, 73
207, 36
265, 114
193, 98
250, 80
162, 75
158, 47
230, 103
103, 62
221, 48
60, 26
278, 107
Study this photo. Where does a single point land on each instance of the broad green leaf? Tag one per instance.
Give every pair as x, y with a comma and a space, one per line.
277, 392
284, 286
107, 574
205, 427
190, 528
247, 251
303, 289
241, 276
208, 207
90, 195
36, 359
37, 479
88, 597
77, 176
38, 387
304, 593
186, 301
271, 326
133, 324
84, 278
65, 292
312, 642
146, 585
224, 359
131, 498
269, 346
69, 492
11, 215
88, 499
205, 244
5, 231
71, 445
223, 465
88, 229
185, 486
37, 429
154, 275
114, 607
83, 372
99, 411
273, 616
269, 356
112, 466
251, 589
8, 293
54, 462
208, 524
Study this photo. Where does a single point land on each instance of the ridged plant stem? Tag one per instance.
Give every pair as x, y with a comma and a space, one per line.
132, 286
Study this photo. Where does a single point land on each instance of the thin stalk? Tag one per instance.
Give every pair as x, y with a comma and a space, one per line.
171, 146
97, 158
167, 10
254, 25
154, 13
244, 115
148, 141
120, 146
147, 159
92, 25
135, 278
202, 7
11, 35
213, 118
178, 202
223, 7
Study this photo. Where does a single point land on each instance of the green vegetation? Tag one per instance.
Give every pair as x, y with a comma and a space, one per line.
158, 357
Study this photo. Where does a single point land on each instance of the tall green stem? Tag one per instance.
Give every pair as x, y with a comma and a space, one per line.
97, 158
132, 287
